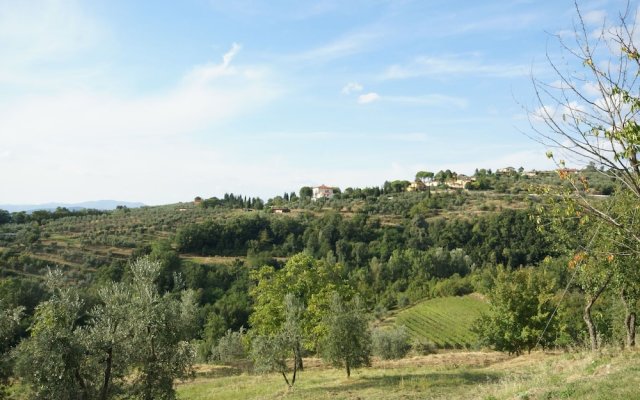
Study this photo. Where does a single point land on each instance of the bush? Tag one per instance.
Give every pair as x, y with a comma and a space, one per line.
230, 347
453, 286
423, 347
390, 344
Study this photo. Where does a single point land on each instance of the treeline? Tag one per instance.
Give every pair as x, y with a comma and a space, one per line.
229, 200
41, 216
510, 237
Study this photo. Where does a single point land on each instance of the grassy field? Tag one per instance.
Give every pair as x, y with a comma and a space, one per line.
444, 321
457, 375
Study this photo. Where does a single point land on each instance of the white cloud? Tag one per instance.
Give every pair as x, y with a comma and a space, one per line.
368, 98
352, 87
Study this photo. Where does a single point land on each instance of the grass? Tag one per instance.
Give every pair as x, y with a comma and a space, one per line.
444, 321
457, 375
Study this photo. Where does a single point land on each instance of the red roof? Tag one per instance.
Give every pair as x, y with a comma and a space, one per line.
323, 187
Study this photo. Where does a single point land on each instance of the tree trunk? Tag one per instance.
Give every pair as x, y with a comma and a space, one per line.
629, 320
593, 335
104, 390
298, 354
348, 368
295, 372
284, 375
83, 395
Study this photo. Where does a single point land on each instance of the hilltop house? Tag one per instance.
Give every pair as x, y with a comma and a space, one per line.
417, 186
322, 192
460, 181
506, 171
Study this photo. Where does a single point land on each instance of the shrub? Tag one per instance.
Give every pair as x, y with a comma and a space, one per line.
423, 347
390, 344
231, 347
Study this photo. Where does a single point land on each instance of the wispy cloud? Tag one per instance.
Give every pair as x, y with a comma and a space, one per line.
438, 100
462, 64
344, 46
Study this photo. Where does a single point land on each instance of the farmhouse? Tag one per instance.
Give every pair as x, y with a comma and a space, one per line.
322, 192
417, 186
506, 171
460, 181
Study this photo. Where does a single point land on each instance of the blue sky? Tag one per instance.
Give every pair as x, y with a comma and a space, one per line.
162, 101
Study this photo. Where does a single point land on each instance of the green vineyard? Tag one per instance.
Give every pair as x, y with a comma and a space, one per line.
444, 321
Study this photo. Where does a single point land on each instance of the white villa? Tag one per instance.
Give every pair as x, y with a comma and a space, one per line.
322, 192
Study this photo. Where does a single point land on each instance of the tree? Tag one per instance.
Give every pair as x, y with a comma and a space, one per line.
159, 327
270, 352
10, 318
347, 342
591, 117
133, 344
306, 192
308, 280
426, 177
521, 304
5, 217
51, 360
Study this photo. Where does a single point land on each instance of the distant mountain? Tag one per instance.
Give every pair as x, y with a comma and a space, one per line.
97, 204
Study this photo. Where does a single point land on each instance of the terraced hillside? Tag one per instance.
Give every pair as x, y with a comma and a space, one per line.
444, 321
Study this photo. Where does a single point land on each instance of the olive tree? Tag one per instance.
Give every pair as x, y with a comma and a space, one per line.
347, 342
133, 344
271, 352
10, 318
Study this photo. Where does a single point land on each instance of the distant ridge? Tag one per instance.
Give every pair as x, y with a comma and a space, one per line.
97, 204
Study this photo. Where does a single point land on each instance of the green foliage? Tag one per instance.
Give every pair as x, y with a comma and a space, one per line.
389, 344
231, 347
347, 342
133, 343
308, 280
9, 324
521, 303
270, 352
51, 360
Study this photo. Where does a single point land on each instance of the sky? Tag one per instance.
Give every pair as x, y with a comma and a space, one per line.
162, 101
